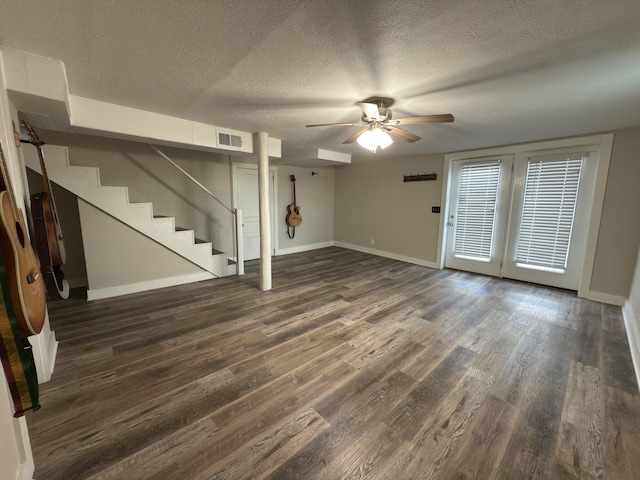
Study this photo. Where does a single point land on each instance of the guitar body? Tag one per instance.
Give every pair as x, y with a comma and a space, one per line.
26, 285
46, 218
49, 246
294, 218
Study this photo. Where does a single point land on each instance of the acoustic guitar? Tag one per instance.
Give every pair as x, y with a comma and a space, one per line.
25, 281
294, 218
47, 232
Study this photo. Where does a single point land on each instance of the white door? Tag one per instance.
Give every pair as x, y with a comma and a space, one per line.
478, 214
548, 226
246, 198
530, 225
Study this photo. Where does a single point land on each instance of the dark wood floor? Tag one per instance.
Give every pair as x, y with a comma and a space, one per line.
352, 367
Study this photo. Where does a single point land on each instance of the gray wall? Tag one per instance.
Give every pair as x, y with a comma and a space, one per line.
149, 178
619, 236
315, 196
105, 239
351, 204
75, 270
373, 202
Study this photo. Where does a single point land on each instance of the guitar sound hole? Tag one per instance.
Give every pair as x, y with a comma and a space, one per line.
20, 234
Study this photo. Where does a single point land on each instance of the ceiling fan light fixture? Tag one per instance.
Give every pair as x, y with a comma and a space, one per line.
374, 138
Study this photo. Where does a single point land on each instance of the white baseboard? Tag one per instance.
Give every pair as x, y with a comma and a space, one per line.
45, 349
394, 256
53, 353
631, 325
601, 297
304, 248
107, 292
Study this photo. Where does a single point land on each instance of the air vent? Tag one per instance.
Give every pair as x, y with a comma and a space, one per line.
229, 140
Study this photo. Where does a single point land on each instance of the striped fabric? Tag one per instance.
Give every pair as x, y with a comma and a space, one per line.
16, 355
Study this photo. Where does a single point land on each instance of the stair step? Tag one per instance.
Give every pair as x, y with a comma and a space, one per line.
114, 200
199, 240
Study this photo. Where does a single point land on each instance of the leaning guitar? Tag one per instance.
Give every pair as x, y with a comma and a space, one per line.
21, 264
294, 218
47, 232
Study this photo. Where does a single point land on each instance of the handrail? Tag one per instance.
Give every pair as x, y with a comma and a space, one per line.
206, 190
236, 213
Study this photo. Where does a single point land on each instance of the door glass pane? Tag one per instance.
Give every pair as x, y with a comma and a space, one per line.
550, 198
475, 216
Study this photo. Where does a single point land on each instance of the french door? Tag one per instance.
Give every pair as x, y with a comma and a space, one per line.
478, 214
523, 217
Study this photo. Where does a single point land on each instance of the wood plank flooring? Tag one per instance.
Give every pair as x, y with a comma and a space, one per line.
352, 367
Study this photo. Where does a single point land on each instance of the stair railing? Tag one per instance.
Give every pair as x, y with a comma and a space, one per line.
235, 212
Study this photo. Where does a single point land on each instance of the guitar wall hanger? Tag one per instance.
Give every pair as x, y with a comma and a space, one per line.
421, 177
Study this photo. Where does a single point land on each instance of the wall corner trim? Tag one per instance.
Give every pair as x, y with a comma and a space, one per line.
304, 248
108, 292
602, 297
394, 256
631, 326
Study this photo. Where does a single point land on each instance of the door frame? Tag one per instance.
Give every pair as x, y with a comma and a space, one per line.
602, 145
273, 171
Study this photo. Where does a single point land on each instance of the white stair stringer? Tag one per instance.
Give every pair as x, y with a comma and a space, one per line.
85, 183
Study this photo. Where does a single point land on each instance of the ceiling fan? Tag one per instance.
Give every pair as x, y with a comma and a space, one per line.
378, 123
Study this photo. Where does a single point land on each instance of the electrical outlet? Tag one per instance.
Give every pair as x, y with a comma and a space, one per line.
373, 241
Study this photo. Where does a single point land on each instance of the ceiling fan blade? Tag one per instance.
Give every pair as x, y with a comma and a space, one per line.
355, 136
446, 117
333, 125
370, 110
403, 134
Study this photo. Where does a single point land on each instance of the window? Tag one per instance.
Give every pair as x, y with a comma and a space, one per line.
478, 194
548, 211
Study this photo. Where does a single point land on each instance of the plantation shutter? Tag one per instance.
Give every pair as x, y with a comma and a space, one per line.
550, 198
475, 217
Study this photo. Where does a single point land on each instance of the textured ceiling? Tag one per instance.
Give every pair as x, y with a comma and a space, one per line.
509, 71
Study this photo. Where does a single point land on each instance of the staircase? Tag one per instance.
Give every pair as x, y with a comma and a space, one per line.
85, 183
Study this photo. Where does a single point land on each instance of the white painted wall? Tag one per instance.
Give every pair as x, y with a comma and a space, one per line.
631, 313
634, 295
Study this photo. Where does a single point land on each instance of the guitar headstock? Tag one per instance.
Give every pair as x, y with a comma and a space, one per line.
33, 136
292, 177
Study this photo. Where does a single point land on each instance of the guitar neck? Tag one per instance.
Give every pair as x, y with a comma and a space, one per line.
36, 142
45, 175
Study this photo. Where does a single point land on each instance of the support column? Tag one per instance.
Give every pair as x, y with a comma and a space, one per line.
265, 221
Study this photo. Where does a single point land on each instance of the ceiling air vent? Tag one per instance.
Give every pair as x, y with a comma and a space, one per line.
229, 140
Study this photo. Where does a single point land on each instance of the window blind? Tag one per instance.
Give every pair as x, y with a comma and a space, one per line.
548, 212
475, 216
